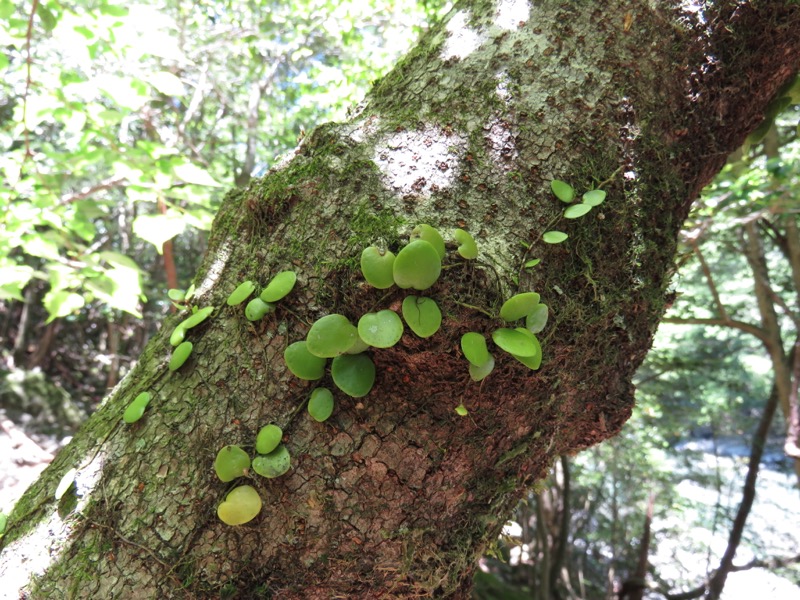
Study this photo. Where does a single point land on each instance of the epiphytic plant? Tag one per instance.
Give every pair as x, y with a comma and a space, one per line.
320, 404
231, 462
136, 408
240, 506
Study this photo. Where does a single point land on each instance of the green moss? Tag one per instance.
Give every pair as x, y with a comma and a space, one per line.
368, 227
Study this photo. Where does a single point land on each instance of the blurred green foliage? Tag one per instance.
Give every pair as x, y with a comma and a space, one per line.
123, 123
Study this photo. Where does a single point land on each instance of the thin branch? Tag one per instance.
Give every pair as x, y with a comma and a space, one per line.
793, 253
773, 563
791, 446
795, 317
714, 583
732, 323
709, 280
28, 80
106, 184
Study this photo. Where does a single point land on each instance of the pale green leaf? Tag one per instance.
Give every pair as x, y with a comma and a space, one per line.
158, 229
594, 197
119, 260
563, 191
166, 83
13, 279
193, 174
38, 245
554, 237
576, 211
62, 303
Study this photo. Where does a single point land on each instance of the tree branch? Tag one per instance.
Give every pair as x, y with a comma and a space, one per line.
732, 323
106, 184
709, 280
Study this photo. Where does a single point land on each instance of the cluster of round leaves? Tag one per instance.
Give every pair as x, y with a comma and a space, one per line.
242, 504
566, 193
416, 266
257, 308
263, 304
519, 342
278, 287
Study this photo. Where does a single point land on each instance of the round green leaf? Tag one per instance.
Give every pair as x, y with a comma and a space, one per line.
576, 210
268, 438
196, 318
136, 408
430, 235
176, 295
178, 335
537, 319
257, 309
554, 237
330, 336
518, 306
563, 191
302, 363
461, 410
241, 293
533, 361
231, 462
594, 197
354, 374
478, 373
417, 266
320, 405
514, 342
359, 347
179, 355
279, 286
377, 267
380, 330
473, 345
422, 315
66, 482
274, 464
241, 505
467, 247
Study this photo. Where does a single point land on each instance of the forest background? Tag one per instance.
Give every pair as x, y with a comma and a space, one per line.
123, 126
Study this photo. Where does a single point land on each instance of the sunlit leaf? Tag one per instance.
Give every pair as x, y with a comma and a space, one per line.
594, 197
13, 279
158, 229
47, 18
62, 303
193, 174
166, 83
554, 237
563, 191
576, 210
120, 260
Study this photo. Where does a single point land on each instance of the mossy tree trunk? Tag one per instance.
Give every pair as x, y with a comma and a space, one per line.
396, 494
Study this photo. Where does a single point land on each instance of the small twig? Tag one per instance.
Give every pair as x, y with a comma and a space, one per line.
28, 79
473, 307
732, 323
106, 184
610, 178
709, 280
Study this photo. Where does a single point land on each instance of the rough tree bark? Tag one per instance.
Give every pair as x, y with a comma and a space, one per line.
396, 494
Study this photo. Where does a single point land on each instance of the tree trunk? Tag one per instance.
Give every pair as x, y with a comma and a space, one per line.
396, 494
